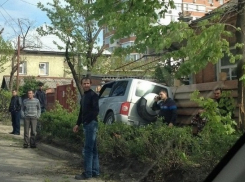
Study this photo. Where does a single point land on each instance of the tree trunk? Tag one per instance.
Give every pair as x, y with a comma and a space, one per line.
73, 71
240, 38
13, 70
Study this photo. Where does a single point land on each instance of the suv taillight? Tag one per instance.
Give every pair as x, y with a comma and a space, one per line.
125, 108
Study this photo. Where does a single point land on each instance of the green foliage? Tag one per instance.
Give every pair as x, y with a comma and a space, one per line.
218, 121
5, 98
166, 73
168, 147
117, 65
6, 52
70, 23
198, 44
30, 83
58, 123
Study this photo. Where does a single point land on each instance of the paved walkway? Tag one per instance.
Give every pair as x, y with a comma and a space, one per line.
34, 165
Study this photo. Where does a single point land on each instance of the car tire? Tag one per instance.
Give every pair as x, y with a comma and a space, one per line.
109, 118
144, 107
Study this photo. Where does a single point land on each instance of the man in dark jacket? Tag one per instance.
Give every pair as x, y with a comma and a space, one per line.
89, 110
41, 96
15, 109
167, 107
226, 104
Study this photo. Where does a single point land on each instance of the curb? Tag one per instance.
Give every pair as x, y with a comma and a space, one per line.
58, 152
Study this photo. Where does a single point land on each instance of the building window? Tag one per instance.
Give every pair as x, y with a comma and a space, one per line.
43, 69
132, 57
224, 65
127, 44
221, 2
172, 18
178, 6
22, 68
107, 40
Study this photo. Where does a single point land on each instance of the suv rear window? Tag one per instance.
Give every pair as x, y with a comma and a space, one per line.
145, 88
119, 88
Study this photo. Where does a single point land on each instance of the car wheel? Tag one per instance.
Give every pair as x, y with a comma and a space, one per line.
109, 119
144, 107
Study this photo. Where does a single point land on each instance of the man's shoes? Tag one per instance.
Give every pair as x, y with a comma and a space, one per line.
25, 146
16, 133
81, 177
11, 132
33, 146
95, 175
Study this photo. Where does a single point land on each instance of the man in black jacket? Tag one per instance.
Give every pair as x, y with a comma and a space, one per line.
41, 96
15, 109
167, 107
89, 110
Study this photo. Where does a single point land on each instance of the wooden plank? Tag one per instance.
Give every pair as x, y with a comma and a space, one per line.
185, 103
226, 85
207, 94
193, 111
187, 111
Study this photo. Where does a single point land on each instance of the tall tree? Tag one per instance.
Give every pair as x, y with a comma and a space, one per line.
6, 51
197, 45
24, 26
70, 22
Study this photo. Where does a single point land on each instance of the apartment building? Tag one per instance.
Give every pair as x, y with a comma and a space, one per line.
193, 9
198, 8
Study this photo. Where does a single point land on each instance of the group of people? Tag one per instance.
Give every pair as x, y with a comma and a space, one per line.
168, 109
30, 110
32, 107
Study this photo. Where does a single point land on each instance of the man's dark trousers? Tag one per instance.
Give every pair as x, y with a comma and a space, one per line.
15, 116
30, 121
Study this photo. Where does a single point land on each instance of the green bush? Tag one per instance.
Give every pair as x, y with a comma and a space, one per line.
5, 98
58, 123
169, 148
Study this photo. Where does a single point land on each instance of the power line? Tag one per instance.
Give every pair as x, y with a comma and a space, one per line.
7, 21
28, 3
10, 16
4, 2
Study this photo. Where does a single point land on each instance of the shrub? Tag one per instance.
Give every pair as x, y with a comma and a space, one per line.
169, 148
5, 98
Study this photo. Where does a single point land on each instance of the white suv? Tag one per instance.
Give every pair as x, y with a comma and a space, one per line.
129, 101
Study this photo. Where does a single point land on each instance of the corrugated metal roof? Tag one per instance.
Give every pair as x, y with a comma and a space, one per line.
50, 82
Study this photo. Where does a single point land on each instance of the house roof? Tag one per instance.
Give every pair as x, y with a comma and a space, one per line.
50, 82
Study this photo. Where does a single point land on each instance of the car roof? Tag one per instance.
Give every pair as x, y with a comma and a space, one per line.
128, 79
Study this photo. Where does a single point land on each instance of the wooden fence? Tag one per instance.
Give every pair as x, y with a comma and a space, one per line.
187, 109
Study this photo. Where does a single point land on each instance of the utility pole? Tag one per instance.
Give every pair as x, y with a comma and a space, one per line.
240, 38
18, 65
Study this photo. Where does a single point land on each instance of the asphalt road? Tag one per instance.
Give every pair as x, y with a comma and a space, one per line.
31, 165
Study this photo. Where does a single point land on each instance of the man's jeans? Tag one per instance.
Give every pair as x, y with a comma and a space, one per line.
15, 116
91, 158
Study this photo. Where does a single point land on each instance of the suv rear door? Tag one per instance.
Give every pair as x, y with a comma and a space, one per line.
142, 88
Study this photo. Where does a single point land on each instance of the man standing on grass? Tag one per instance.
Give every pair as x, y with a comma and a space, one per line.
89, 110
31, 111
